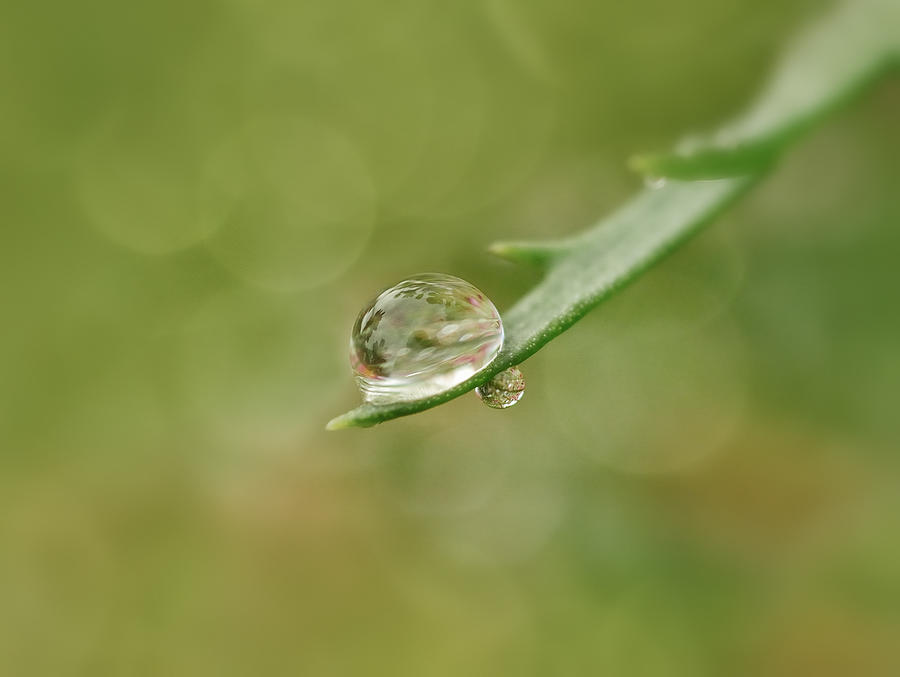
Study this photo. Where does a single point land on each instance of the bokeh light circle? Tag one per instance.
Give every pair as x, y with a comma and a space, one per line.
141, 183
646, 389
299, 202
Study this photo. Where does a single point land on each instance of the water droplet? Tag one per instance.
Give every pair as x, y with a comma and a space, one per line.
504, 390
654, 182
423, 336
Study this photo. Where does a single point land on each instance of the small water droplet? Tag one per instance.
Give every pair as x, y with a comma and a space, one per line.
504, 390
654, 182
422, 336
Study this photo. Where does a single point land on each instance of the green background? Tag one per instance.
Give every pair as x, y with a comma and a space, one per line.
197, 198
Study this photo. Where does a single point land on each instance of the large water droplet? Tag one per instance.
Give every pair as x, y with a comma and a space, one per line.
504, 390
423, 336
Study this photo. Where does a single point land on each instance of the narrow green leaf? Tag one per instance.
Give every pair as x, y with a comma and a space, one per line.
832, 62
828, 65
598, 263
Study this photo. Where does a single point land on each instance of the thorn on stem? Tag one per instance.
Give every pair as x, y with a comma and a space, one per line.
531, 253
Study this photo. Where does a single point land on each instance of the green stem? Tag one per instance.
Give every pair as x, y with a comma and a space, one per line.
832, 62
584, 271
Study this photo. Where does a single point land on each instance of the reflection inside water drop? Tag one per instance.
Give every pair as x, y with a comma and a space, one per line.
654, 182
504, 390
423, 336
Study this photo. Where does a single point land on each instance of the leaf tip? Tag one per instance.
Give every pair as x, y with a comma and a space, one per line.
531, 253
341, 422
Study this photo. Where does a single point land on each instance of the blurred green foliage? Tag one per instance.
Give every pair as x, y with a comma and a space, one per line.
197, 198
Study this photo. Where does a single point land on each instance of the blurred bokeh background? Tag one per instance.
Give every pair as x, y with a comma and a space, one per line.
197, 198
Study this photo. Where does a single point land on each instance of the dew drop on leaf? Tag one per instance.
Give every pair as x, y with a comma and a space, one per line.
504, 390
422, 336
